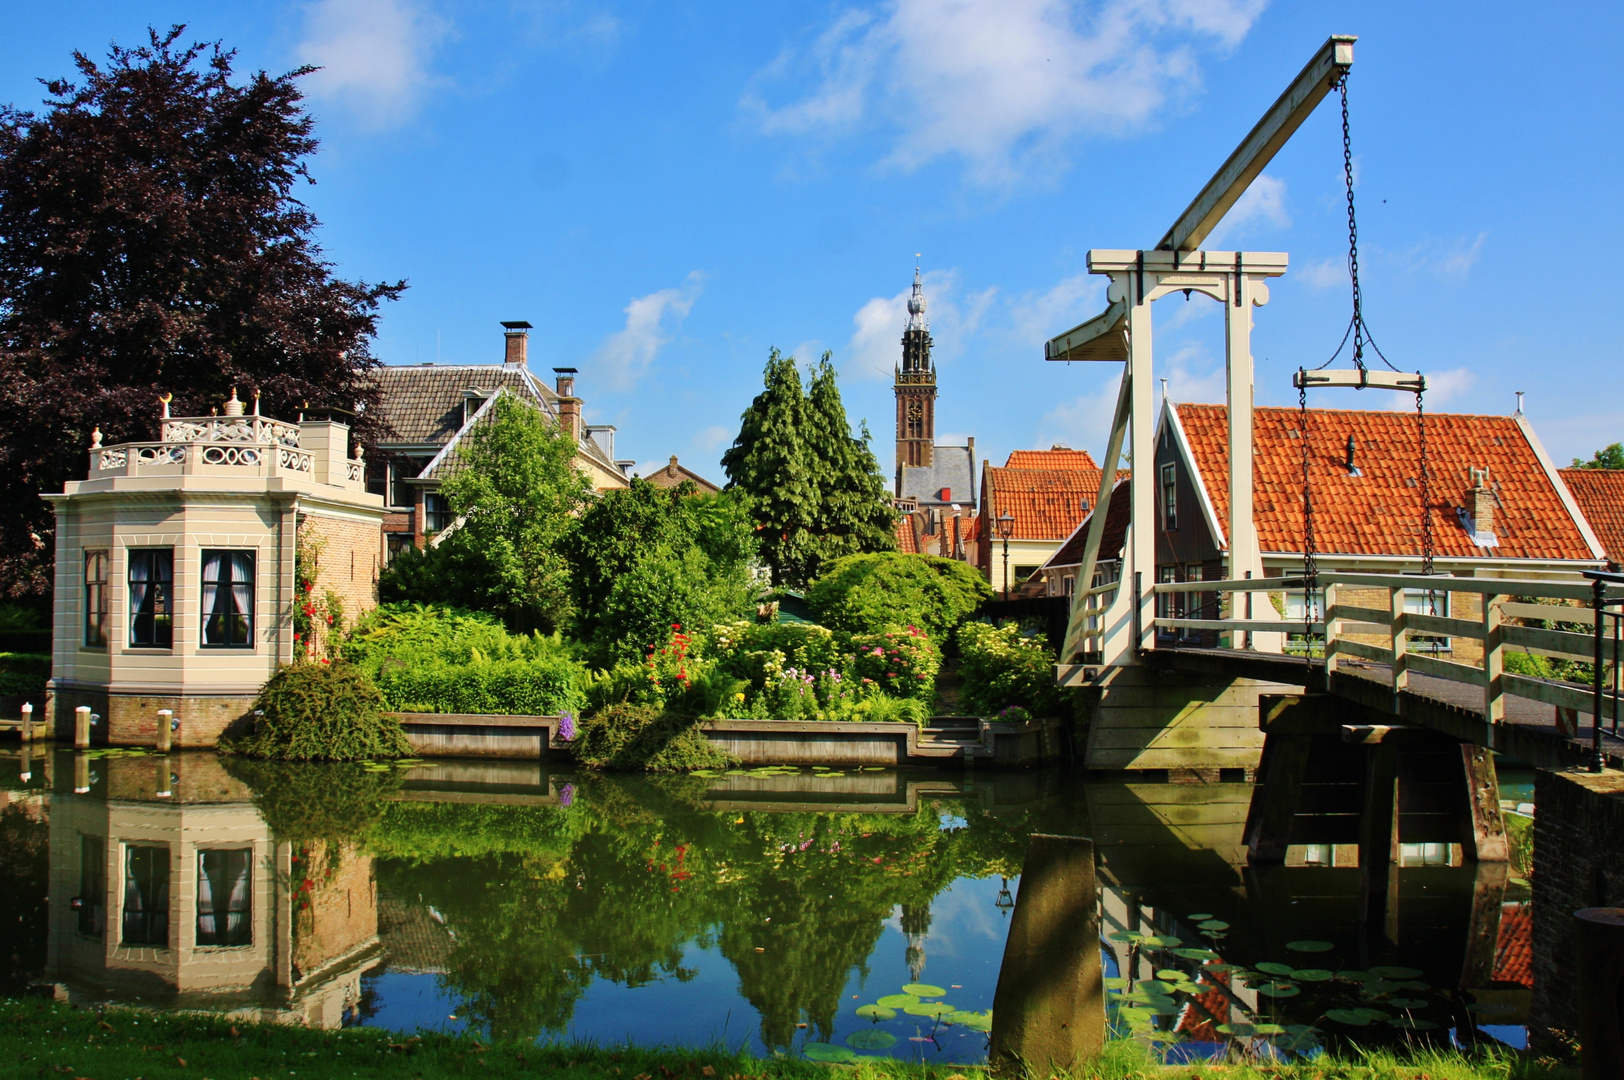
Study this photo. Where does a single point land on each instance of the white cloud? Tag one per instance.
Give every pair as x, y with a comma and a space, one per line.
1443, 387
373, 54
1459, 261
875, 346
1083, 423
1041, 316
1323, 273
713, 438
650, 321
1262, 203
997, 83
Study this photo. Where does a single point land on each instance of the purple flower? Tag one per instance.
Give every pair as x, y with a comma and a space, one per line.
566, 795
566, 727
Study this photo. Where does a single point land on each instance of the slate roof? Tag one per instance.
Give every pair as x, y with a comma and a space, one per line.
673, 474
1043, 489
1378, 513
1116, 530
1600, 495
422, 403
952, 467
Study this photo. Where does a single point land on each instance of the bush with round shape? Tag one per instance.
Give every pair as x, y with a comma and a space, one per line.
865, 594
903, 663
1000, 667
628, 737
317, 711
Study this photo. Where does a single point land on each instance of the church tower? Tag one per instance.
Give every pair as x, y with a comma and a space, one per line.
915, 386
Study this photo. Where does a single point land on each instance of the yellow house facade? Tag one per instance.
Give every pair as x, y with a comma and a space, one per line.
175, 568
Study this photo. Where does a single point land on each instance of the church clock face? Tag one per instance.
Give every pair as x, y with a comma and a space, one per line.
914, 411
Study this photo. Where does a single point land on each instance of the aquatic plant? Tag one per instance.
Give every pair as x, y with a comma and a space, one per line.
646, 738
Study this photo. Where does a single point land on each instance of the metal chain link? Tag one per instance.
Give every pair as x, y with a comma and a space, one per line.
1310, 552
1358, 325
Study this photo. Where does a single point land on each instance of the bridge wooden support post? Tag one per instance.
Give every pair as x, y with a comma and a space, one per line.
1280, 781
1378, 831
1483, 833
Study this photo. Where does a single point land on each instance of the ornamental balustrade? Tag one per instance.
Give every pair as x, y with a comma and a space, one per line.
172, 457
261, 430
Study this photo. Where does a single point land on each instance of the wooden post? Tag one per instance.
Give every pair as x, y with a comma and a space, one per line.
26, 729
25, 764
1599, 991
1274, 799
1483, 928
81, 774
1400, 647
166, 719
1377, 828
1048, 1012
1330, 634
81, 727
1484, 834
1494, 703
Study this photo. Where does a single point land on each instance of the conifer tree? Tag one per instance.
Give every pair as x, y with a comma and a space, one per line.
816, 492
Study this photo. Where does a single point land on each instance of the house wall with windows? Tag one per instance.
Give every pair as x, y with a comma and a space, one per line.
175, 568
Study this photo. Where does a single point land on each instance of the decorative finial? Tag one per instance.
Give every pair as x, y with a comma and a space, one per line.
256, 401
233, 406
166, 399
916, 304
96, 438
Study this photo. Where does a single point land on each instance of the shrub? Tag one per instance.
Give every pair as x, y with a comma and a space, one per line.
630, 737
320, 712
24, 674
999, 667
757, 652
903, 663
542, 687
408, 634
864, 594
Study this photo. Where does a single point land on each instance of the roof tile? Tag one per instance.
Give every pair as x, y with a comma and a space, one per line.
1600, 495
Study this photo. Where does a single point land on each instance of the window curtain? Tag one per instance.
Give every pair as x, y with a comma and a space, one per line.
140, 583
223, 897
146, 896
242, 585
212, 563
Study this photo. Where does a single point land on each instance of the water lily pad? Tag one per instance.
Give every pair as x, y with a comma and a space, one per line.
821, 1051
1408, 1003
1195, 954
1351, 1017
1397, 974
1137, 1017
923, 990
1310, 946
1125, 935
1156, 986
871, 1039
1279, 990
876, 1012
1269, 967
1374, 1014
1416, 985
928, 1008
896, 1001
975, 1021
1162, 941
1115, 982
1311, 975
1191, 988
1212, 925
1202, 917
1223, 969
1268, 1029
1171, 975
1240, 1031
1381, 986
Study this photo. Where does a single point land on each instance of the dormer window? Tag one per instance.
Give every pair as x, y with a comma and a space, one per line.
472, 400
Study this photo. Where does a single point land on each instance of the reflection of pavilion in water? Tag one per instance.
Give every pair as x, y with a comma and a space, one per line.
186, 900
1169, 851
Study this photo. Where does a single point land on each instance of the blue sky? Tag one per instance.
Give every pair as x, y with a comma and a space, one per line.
666, 190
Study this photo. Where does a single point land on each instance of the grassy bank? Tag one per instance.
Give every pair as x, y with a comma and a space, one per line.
48, 1039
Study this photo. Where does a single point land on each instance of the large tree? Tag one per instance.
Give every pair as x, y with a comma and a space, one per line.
814, 488
150, 242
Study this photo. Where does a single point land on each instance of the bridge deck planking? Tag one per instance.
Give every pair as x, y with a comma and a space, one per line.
1529, 733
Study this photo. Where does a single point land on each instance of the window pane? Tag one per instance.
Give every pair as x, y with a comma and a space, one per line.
146, 895
228, 598
95, 598
151, 573
92, 897
224, 897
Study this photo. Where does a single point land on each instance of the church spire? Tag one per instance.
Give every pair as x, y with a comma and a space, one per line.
915, 388
916, 304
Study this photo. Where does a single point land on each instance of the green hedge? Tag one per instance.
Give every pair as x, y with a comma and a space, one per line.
630, 737
541, 687
316, 711
864, 594
999, 667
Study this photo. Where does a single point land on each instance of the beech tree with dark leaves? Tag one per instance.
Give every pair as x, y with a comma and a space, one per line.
151, 242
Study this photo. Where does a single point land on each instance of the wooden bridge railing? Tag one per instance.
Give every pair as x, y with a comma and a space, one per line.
1507, 607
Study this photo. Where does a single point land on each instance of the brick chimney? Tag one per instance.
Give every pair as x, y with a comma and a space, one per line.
1483, 501
569, 406
518, 342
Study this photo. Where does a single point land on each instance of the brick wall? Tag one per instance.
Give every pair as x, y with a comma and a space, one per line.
1578, 863
347, 562
343, 911
1468, 606
132, 719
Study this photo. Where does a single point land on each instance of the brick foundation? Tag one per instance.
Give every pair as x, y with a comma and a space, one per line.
132, 719
1578, 863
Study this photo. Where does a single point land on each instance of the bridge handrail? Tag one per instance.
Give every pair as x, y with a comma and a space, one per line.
1561, 590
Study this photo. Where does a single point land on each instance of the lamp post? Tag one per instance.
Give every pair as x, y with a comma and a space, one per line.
1006, 529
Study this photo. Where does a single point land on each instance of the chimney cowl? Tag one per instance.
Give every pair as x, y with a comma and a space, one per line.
517, 341
1479, 519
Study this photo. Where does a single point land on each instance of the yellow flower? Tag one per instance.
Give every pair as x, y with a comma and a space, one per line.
739, 698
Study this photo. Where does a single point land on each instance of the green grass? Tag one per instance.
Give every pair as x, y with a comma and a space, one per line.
48, 1039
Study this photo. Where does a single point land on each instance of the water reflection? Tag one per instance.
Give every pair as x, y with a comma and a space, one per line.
507, 898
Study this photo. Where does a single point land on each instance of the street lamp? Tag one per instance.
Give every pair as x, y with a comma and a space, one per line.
1006, 529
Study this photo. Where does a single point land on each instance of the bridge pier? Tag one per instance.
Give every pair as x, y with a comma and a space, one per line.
1146, 718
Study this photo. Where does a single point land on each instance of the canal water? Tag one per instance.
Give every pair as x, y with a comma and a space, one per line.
824, 914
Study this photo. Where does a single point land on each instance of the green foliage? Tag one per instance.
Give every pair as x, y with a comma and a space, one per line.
869, 593
438, 659
627, 737
902, 663
24, 674
646, 557
19, 617
516, 493
1608, 457
318, 711
755, 652
1520, 839
815, 490
318, 804
1000, 667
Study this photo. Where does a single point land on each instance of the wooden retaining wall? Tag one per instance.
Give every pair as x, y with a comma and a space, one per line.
1153, 719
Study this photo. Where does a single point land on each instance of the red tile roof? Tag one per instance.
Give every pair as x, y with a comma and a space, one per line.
1379, 512
1116, 529
1514, 947
1058, 457
1043, 489
1600, 495
907, 541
